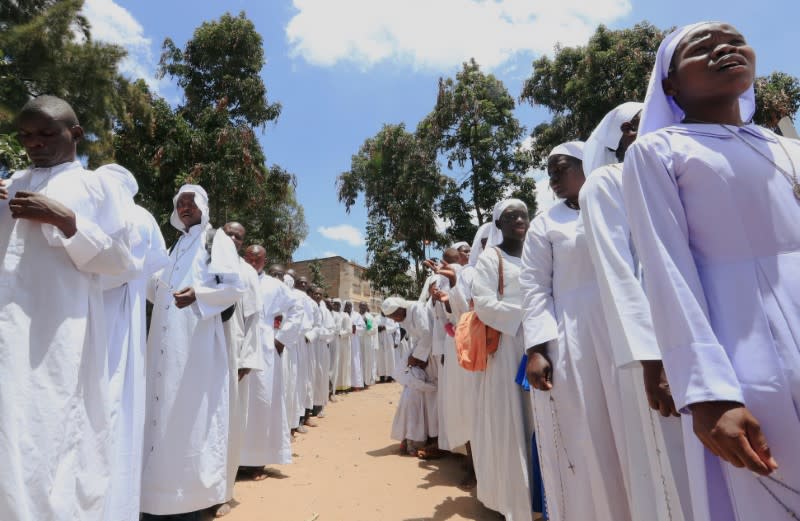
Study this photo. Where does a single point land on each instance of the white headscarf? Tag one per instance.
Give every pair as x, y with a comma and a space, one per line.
200, 199
600, 149
459, 244
423, 295
661, 110
570, 148
392, 304
337, 301
477, 247
496, 235
124, 208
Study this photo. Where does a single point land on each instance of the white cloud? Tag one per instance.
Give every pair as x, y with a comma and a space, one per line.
112, 23
441, 33
342, 232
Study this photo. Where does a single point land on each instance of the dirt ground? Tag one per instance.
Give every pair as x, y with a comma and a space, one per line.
348, 469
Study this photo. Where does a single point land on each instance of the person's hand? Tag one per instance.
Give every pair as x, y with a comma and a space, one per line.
42, 209
442, 296
657, 389
184, 297
731, 432
381, 328
279, 347
354, 329
3, 189
539, 371
431, 265
243, 373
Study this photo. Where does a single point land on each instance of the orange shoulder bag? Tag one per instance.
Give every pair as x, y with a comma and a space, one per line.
475, 341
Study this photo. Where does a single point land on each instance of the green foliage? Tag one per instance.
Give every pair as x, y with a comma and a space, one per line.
211, 139
400, 181
317, 279
473, 125
389, 267
12, 155
579, 85
41, 54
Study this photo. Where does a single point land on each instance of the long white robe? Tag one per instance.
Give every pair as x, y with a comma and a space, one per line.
322, 362
125, 299
716, 228
502, 433
415, 414
356, 371
344, 378
242, 333
54, 433
437, 374
409, 421
369, 349
335, 349
188, 383
387, 343
306, 355
293, 376
653, 456
578, 450
267, 439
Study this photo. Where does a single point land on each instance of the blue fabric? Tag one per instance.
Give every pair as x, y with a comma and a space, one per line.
537, 484
522, 378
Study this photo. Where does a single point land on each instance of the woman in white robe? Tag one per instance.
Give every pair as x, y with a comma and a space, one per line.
502, 431
565, 332
652, 456
714, 213
335, 346
125, 297
322, 367
386, 355
55, 433
356, 368
186, 428
267, 439
345, 350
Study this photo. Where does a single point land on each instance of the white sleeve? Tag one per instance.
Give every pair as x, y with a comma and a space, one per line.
536, 278
625, 305
697, 366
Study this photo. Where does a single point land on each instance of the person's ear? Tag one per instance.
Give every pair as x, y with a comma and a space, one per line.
669, 86
76, 131
497, 224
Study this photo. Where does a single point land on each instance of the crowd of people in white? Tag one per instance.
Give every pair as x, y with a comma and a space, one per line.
630, 354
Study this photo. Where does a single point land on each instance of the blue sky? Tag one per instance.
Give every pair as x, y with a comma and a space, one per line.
342, 68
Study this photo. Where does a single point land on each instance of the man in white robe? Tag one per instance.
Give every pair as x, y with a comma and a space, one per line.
369, 341
267, 438
306, 354
242, 335
291, 354
125, 296
60, 227
336, 347
345, 350
188, 375
388, 340
357, 361
322, 357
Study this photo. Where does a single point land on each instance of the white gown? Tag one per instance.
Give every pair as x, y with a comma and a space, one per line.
322, 365
356, 371
54, 433
502, 433
409, 420
125, 311
418, 411
188, 383
369, 349
653, 456
292, 376
242, 333
267, 440
716, 228
335, 349
306, 356
386, 355
345, 380
575, 421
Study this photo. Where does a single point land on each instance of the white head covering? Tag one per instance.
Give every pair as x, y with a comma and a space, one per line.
200, 199
122, 175
661, 110
122, 186
423, 295
392, 304
477, 247
495, 235
288, 280
337, 301
570, 148
459, 244
600, 149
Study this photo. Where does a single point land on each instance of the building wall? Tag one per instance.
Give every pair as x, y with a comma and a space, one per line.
344, 279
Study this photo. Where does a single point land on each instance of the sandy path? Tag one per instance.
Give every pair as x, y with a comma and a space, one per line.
347, 469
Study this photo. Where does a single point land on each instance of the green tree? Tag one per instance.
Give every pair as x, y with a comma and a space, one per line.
474, 126
40, 53
400, 181
579, 85
317, 278
389, 268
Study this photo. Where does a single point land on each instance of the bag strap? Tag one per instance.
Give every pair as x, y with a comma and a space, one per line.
500, 281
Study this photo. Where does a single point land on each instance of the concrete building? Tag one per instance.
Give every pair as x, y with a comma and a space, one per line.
344, 280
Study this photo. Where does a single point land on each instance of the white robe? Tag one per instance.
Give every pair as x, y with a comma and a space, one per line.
653, 455
502, 434
579, 455
322, 361
292, 374
188, 383
418, 323
344, 378
335, 349
242, 333
125, 299
369, 349
267, 439
305, 354
356, 371
54, 433
716, 229
409, 420
387, 342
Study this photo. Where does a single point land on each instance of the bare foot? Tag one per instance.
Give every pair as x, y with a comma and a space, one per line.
254, 474
222, 510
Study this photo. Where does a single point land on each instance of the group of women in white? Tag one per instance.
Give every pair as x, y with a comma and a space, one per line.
654, 308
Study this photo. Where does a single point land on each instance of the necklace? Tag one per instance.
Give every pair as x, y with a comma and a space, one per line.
572, 204
792, 178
